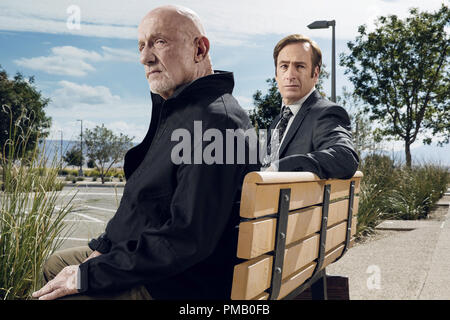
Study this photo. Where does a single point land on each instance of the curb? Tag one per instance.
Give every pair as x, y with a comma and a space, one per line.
95, 185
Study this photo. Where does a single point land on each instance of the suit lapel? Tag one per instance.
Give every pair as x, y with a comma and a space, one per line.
300, 116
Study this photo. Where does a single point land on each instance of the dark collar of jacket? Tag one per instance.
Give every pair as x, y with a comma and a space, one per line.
216, 84
213, 85
299, 117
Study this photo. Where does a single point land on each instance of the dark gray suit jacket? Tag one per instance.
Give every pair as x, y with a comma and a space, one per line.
319, 140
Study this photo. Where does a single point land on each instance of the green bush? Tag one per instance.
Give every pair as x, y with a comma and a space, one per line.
113, 173
392, 191
66, 172
416, 192
378, 179
69, 178
92, 173
63, 172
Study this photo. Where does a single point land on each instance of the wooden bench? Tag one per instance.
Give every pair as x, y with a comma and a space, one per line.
293, 225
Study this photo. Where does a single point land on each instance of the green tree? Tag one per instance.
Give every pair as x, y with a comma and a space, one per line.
365, 137
23, 105
106, 148
401, 70
268, 106
73, 157
91, 164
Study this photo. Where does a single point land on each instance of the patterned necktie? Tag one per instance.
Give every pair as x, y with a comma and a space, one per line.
275, 140
286, 114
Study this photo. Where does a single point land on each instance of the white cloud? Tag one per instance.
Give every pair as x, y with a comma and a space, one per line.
70, 94
245, 102
229, 22
73, 61
71, 52
96, 105
120, 54
130, 126
57, 64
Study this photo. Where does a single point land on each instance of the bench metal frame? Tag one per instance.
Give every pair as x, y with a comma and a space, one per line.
317, 281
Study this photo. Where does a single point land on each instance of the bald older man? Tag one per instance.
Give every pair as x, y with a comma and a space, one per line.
173, 235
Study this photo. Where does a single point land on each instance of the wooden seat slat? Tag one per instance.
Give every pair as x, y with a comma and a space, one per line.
253, 235
295, 280
253, 276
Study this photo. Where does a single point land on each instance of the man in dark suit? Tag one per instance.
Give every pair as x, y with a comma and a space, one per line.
311, 133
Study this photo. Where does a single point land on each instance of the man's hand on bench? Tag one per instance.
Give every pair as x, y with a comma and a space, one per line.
65, 283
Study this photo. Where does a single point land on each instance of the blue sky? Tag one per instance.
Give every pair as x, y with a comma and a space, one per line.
93, 73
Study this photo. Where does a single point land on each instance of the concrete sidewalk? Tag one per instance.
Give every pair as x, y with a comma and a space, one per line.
404, 260
94, 184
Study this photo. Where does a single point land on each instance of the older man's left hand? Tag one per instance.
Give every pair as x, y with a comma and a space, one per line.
65, 283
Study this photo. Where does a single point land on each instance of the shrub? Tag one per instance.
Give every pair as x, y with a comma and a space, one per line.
63, 172
69, 178
391, 191
92, 173
31, 222
416, 191
378, 180
66, 172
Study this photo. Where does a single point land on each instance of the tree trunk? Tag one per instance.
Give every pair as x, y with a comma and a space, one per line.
408, 154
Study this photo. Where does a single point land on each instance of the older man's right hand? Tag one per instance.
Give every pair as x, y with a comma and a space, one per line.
93, 255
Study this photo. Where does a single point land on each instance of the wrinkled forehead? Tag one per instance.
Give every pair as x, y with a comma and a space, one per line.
165, 22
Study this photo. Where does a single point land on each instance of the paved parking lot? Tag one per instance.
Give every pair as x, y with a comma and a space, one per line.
93, 207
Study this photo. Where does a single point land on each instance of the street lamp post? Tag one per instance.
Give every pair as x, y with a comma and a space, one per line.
324, 24
80, 172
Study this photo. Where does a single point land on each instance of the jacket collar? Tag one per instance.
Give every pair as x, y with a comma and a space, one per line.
220, 82
313, 97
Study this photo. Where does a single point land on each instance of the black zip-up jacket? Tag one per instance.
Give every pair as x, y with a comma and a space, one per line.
175, 229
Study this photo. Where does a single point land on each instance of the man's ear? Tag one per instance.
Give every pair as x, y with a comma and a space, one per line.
316, 72
201, 48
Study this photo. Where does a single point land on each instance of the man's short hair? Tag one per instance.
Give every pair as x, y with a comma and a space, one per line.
316, 57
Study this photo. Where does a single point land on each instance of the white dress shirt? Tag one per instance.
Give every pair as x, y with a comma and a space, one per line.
295, 107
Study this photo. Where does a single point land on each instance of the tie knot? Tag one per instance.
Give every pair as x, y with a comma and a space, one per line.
286, 112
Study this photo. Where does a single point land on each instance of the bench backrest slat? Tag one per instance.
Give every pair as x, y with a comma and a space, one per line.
257, 231
295, 280
253, 239
261, 191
